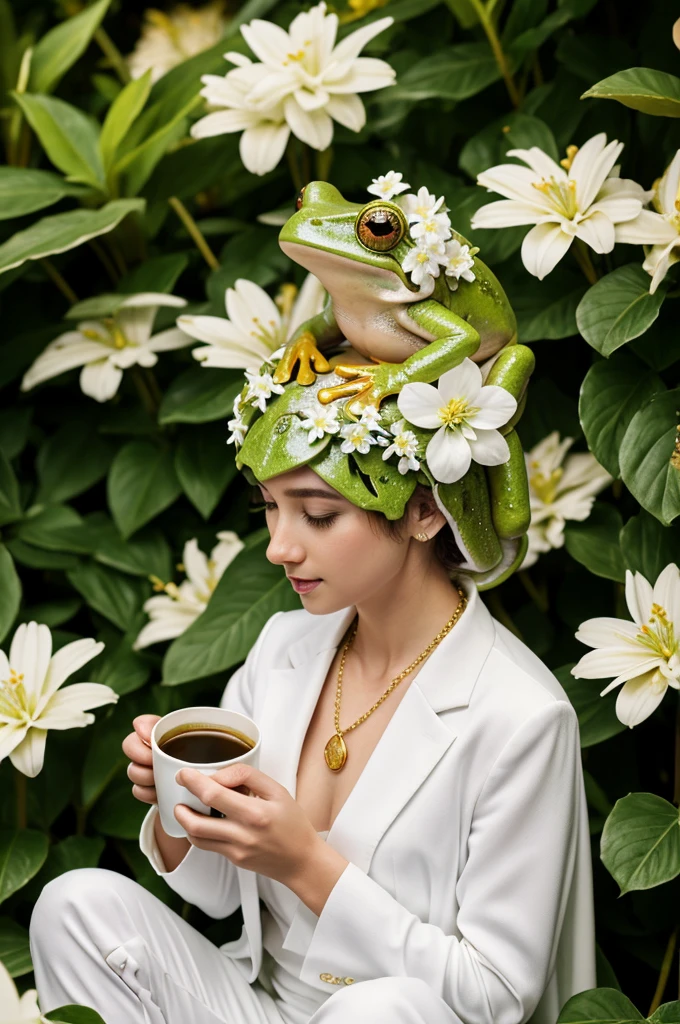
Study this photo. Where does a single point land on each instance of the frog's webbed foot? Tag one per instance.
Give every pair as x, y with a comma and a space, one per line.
369, 383
305, 350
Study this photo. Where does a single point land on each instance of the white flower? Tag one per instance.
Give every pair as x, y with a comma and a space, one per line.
257, 328
31, 701
559, 489
405, 444
358, 438
369, 415
660, 230
238, 429
433, 229
642, 654
585, 201
386, 186
458, 260
420, 207
173, 611
319, 421
466, 413
422, 263
104, 348
303, 84
260, 388
169, 39
15, 1009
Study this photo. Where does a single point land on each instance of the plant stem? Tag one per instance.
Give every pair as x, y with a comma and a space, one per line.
486, 22
145, 393
63, 285
665, 971
676, 788
582, 257
20, 786
293, 165
114, 276
195, 232
116, 59
539, 597
154, 390
323, 161
306, 164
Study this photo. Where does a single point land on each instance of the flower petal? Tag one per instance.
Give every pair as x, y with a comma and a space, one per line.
366, 74
348, 111
100, 380
591, 166
543, 247
669, 186
606, 631
68, 708
515, 182
65, 662
310, 300
418, 403
29, 756
639, 698
506, 213
639, 597
29, 655
314, 127
462, 381
268, 41
448, 455
540, 162
167, 341
262, 146
489, 448
352, 45
72, 351
496, 406
597, 231
666, 592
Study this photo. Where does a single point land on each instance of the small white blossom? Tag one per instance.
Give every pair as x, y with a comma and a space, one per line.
358, 438
385, 186
405, 444
260, 388
422, 263
660, 230
238, 429
168, 39
15, 1009
458, 260
321, 420
431, 230
420, 207
369, 415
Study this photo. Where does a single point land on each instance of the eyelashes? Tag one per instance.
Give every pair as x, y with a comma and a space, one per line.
318, 522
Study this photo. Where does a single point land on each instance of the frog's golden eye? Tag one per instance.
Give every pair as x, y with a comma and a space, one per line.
380, 226
301, 198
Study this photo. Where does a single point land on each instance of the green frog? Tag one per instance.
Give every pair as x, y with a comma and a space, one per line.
410, 333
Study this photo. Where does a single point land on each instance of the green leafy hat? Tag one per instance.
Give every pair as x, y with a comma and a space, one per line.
375, 458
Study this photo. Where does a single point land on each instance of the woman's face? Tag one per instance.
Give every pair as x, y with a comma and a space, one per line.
318, 535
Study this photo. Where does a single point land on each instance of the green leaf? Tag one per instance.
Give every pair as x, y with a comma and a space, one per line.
158, 274
667, 1013
200, 395
618, 308
72, 1014
647, 546
122, 113
55, 528
545, 310
59, 49
599, 1006
105, 757
116, 597
68, 855
51, 613
595, 542
22, 854
15, 423
142, 482
71, 461
249, 592
25, 190
117, 813
15, 951
68, 136
119, 666
138, 164
597, 720
648, 456
146, 554
612, 392
451, 73
205, 466
37, 558
645, 89
512, 131
641, 842
10, 504
64, 231
10, 592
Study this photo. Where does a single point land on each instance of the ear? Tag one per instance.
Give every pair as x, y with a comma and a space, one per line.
425, 514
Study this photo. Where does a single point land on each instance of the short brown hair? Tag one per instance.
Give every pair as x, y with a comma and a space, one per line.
446, 550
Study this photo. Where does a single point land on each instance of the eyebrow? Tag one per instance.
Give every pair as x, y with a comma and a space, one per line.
311, 492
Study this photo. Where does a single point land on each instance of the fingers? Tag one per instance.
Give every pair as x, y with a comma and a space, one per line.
137, 746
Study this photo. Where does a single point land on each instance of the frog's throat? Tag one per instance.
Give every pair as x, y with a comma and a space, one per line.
339, 275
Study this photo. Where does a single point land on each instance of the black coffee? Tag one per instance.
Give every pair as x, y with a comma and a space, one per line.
203, 746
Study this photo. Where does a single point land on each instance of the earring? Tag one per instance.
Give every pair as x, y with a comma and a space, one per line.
422, 536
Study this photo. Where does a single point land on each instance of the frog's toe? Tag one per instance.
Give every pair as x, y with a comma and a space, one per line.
303, 350
357, 388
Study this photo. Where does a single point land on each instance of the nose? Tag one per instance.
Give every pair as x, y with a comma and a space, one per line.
283, 547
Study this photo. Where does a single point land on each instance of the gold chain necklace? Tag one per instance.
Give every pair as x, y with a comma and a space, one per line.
335, 751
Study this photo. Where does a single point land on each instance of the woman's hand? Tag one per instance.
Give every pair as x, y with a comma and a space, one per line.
137, 746
268, 832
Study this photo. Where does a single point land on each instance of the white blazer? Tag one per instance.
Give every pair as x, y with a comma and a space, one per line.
467, 831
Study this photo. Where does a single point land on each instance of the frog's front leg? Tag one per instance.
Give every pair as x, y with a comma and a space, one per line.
454, 340
303, 348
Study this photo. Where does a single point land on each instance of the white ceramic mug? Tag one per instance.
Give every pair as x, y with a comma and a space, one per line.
169, 792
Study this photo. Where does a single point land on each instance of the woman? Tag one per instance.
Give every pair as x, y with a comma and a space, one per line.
418, 833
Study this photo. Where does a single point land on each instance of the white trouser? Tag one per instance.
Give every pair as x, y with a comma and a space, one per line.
102, 940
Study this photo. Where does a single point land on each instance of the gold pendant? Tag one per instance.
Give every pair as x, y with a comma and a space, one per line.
335, 752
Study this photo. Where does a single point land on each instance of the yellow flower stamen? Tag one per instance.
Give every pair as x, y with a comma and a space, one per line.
13, 696
561, 193
545, 487
292, 57
659, 634
286, 299
568, 160
455, 412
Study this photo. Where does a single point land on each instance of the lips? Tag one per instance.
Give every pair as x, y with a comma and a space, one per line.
303, 586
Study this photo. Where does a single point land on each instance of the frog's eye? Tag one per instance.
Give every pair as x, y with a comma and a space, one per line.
301, 198
380, 227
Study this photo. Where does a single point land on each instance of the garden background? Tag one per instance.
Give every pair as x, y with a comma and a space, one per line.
113, 482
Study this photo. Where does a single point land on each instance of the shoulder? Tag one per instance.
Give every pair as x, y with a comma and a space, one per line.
284, 629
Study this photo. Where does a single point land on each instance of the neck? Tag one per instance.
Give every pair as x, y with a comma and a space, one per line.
397, 623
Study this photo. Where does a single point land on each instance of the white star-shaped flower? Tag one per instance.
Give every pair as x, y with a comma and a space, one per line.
421, 206
358, 438
422, 263
260, 388
458, 260
238, 430
433, 229
319, 421
405, 444
385, 186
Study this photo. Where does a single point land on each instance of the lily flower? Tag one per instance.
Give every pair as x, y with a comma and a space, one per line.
660, 230
466, 414
580, 199
642, 654
175, 608
561, 487
105, 348
15, 1009
257, 326
170, 38
303, 83
31, 701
